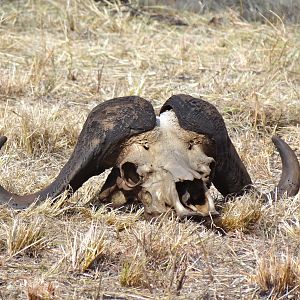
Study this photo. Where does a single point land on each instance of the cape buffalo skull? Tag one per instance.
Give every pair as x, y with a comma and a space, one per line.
165, 162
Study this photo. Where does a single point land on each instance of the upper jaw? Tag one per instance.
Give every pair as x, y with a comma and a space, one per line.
188, 198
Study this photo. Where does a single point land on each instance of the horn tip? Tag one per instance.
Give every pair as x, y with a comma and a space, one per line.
3, 140
276, 139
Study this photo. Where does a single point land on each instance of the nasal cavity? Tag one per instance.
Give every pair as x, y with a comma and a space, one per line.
130, 174
194, 189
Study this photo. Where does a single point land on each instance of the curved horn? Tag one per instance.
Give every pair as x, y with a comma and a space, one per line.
97, 148
289, 182
231, 176
3, 140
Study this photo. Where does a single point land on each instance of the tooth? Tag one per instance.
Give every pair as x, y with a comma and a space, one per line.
185, 198
211, 203
208, 208
192, 207
181, 211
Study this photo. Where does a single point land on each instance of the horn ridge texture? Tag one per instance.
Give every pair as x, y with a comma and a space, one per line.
97, 148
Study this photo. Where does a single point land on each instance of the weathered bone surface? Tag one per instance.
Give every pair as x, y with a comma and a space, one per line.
166, 162
167, 168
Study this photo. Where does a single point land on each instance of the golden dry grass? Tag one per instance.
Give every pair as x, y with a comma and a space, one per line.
58, 59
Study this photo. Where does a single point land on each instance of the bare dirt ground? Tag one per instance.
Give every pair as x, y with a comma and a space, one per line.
59, 59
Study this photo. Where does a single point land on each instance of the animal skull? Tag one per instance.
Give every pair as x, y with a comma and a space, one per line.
168, 168
165, 162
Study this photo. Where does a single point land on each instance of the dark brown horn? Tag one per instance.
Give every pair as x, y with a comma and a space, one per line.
97, 148
289, 182
3, 140
231, 176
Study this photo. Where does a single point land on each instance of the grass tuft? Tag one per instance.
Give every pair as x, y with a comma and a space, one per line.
41, 291
26, 236
122, 221
86, 249
241, 215
277, 275
134, 273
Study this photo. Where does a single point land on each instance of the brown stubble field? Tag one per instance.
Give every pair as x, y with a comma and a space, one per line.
59, 59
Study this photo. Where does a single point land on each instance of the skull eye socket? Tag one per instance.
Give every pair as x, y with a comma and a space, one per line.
129, 173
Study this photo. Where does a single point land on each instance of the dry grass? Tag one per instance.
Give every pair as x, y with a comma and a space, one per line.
58, 59
277, 276
41, 291
86, 248
251, 10
25, 236
241, 215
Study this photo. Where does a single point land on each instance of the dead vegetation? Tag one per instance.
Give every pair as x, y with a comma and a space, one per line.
58, 59
277, 275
